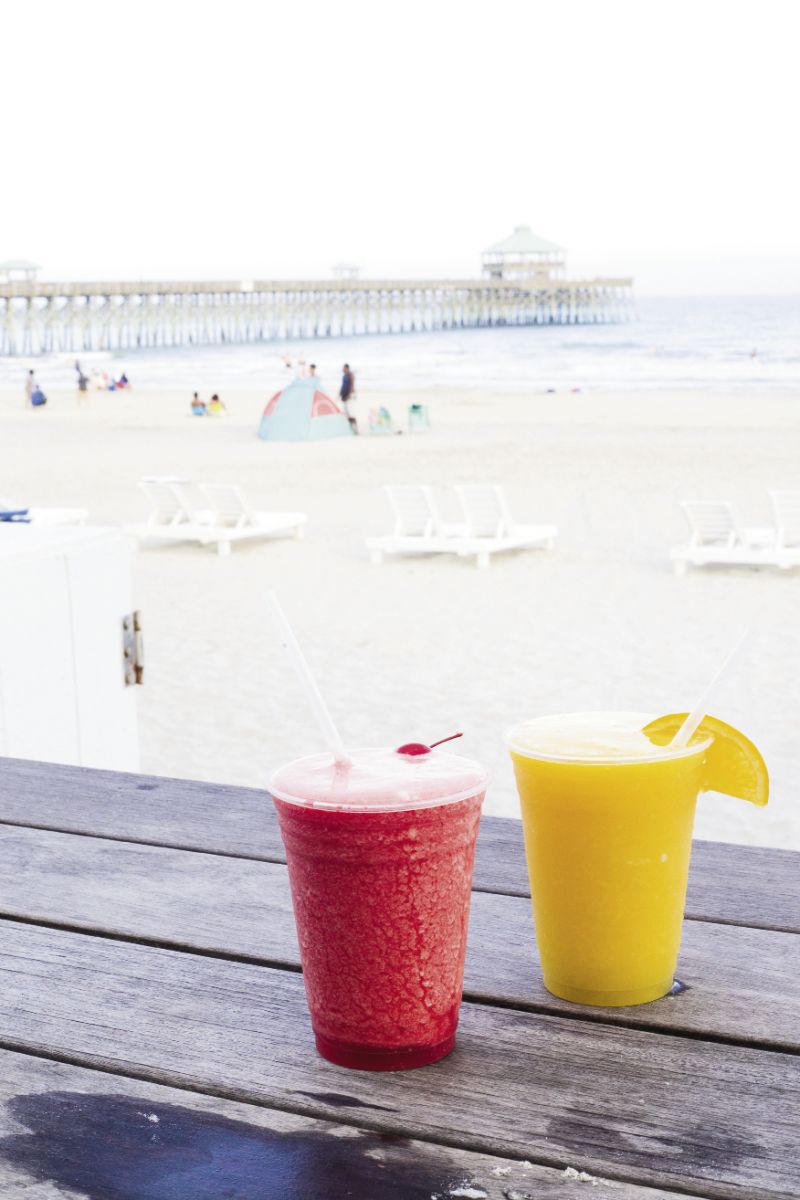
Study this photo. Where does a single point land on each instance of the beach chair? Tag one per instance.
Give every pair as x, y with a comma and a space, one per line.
380, 420
233, 520
786, 506
418, 417
13, 513
489, 527
716, 538
418, 528
49, 516
167, 507
170, 518
211, 514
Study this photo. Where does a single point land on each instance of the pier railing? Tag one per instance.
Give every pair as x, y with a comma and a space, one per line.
105, 315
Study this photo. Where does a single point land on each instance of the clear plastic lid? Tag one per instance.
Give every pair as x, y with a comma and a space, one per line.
379, 780
593, 737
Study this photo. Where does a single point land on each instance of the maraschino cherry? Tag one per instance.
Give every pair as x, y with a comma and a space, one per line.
412, 749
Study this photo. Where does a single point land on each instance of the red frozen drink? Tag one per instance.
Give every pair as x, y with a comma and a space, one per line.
380, 854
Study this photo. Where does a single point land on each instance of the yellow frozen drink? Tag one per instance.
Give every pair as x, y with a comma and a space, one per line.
607, 816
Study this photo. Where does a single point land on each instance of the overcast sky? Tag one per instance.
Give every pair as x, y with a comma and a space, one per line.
245, 140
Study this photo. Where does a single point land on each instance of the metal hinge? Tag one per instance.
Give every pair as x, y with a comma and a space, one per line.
132, 649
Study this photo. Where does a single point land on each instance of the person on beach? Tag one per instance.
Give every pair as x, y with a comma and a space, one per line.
215, 406
82, 395
347, 393
30, 387
312, 371
198, 406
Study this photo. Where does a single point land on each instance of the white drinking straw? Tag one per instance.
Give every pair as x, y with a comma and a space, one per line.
700, 710
313, 694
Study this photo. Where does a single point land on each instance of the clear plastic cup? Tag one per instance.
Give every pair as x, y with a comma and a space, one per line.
607, 818
380, 855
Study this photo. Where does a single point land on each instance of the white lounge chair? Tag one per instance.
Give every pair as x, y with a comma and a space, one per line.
487, 527
170, 519
233, 520
418, 528
211, 514
167, 496
717, 538
490, 528
45, 516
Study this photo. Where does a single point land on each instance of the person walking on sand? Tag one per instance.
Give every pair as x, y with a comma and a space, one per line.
82, 395
347, 393
31, 386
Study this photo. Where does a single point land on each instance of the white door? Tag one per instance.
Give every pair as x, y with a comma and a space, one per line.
63, 595
38, 714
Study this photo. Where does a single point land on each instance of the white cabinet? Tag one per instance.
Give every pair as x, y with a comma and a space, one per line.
64, 594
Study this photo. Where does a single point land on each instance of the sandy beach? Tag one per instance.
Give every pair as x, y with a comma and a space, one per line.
418, 648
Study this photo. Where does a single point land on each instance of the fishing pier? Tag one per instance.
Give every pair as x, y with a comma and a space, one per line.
517, 287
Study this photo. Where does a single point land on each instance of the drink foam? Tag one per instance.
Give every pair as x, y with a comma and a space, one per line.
589, 737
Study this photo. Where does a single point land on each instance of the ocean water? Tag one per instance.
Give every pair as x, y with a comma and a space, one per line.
673, 342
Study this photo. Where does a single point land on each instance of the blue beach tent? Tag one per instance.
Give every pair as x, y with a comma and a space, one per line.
302, 412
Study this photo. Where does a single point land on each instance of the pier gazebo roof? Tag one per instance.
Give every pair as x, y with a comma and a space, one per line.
19, 264
18, 268
524, 241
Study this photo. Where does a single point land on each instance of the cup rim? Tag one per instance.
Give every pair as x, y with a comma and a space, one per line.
660, 754
478, 788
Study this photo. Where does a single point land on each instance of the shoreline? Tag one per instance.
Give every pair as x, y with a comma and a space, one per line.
678, 343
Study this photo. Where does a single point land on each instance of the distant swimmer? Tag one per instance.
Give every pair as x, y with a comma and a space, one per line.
754, 353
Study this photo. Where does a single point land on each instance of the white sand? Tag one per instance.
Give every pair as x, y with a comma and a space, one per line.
416, 649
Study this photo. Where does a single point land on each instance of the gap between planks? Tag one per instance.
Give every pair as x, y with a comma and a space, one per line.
529, 1006
275, 860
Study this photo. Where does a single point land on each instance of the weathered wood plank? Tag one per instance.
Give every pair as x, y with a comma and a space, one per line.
742, 885
106, 1136
742, 983
147, 808
719, 1120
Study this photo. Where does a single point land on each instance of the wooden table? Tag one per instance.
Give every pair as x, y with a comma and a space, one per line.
154, 1041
